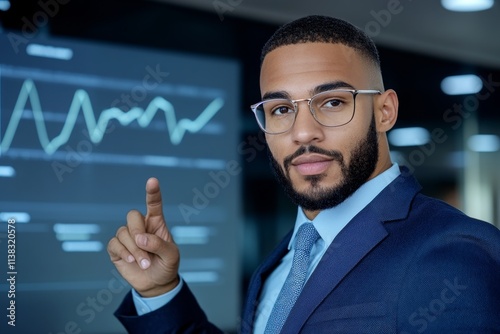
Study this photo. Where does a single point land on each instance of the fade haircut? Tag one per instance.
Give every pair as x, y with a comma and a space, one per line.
323, 29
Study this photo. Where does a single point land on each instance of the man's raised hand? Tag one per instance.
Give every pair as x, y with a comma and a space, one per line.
144, 251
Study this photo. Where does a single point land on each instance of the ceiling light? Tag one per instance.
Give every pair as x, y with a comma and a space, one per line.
467, 5
414, 136
4, 5
483, 143
461, 84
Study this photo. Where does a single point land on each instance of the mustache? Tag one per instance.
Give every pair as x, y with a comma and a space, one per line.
335, 155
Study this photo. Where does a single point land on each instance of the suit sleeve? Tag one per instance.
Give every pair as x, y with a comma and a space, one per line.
181, 315
453, 286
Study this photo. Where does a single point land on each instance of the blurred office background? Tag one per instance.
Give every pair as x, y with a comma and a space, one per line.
70, 190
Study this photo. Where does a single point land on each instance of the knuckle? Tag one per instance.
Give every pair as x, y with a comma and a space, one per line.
113, 245
157, 203
123, 253
153, 243
132, 215
156, 243
111, 242
120, 232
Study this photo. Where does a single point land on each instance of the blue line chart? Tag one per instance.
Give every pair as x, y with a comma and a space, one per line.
81, 102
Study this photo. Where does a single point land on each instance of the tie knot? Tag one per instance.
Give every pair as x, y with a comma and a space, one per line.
306, 237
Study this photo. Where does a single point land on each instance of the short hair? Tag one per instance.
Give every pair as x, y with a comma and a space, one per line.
323, 29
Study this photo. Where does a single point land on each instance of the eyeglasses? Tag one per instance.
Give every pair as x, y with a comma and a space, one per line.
331, 108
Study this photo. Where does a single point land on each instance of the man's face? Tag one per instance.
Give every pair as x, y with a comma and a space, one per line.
321, 166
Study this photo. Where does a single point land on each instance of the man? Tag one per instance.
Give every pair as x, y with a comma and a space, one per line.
380, 256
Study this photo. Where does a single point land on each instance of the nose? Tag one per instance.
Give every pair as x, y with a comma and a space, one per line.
306, 129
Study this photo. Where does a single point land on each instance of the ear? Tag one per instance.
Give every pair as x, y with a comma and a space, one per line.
386, 110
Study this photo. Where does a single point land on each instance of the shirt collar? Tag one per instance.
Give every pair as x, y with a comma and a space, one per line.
331, 221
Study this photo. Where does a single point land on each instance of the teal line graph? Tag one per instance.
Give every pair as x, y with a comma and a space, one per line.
97, 128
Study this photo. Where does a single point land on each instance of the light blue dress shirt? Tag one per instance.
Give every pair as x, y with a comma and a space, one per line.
145, 305
328, 223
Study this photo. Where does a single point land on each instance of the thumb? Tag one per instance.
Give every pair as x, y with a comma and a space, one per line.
154, 244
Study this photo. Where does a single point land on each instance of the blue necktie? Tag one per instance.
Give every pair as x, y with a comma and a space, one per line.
305, 239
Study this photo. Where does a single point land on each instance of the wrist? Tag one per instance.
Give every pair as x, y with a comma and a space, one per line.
159, 290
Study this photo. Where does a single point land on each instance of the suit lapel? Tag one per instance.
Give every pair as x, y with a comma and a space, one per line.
356, 240
256, 283
333, 267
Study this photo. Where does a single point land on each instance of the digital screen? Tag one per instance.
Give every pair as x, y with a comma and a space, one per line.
83, 125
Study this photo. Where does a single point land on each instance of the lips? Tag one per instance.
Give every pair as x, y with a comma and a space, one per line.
311, 164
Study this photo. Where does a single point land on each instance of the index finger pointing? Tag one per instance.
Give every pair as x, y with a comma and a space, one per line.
153, 199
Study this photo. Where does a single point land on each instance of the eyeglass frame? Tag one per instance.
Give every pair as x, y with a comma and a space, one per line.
354, 93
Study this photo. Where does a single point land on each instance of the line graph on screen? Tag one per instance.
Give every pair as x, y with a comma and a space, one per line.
81, 103
78, 140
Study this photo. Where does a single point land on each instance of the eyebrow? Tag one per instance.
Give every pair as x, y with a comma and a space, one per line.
318, 89
330, 86
276, 95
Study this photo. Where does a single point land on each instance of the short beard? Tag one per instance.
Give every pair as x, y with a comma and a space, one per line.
363, 161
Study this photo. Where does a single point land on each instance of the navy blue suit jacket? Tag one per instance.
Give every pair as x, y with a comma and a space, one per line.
406, 263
